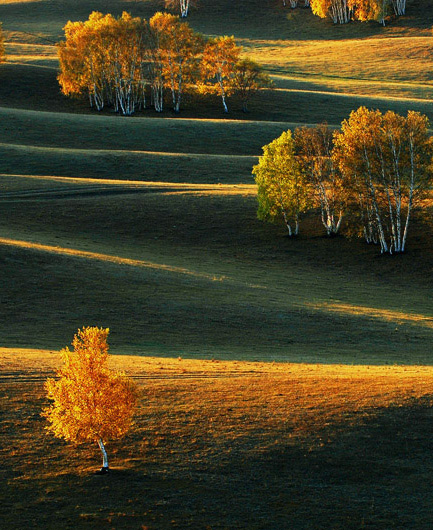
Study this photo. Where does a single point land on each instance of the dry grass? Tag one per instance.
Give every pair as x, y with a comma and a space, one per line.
227, 445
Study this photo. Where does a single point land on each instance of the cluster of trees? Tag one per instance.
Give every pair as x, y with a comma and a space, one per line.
90, 402
117, 61
342, 11
374, 172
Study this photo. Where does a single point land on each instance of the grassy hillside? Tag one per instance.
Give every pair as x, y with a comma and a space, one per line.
147, 225
227, 445
174, 268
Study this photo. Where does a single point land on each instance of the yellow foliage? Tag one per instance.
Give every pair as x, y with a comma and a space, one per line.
90, 402
219, 60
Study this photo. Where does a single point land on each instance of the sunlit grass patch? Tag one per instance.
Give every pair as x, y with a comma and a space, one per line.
272, 433
398, 317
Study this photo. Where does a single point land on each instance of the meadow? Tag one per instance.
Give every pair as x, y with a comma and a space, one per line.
286, 383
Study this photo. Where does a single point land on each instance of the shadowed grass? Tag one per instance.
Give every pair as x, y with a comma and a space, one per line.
240, 273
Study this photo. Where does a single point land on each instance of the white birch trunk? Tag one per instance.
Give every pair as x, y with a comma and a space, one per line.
158, 96
184, 6
372, 192
411, 191
223, 92
286, 222
340, 12
104, 454
399, 7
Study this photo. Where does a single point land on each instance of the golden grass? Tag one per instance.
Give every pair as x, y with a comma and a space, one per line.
399, 59
290, 439
399, 317
269, 396
107, 258
11, 182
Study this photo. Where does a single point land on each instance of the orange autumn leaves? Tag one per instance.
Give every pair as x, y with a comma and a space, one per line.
342, 11
120, 62
374, 173
90, 402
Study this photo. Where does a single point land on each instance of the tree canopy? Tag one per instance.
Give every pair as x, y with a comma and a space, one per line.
377, 168
116, 61
386, 161
90, 402
282, 190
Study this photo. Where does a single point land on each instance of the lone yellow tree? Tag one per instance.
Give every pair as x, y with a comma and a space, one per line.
90, 401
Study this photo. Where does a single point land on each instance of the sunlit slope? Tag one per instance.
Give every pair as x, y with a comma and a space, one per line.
181, 270
379, 59
324, 440
300, 51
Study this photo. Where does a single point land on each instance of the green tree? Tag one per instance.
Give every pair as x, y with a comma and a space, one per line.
90, 401
283, 192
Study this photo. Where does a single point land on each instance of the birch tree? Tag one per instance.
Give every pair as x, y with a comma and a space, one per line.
340, 11
181, 6
125, 65
314, 147
219, 60
103, 56
386, 159
179, 53
90, 403
248, 78
283, 193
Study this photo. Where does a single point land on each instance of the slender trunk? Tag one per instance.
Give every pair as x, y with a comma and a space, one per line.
411, 191
158, 96
286, 221
104, 454
223, 92
372, 192
340, 218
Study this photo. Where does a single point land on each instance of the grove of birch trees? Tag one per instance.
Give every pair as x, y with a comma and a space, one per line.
369, 176
342, 11
129, 63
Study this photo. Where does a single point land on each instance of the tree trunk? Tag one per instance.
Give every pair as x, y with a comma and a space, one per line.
104, 455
